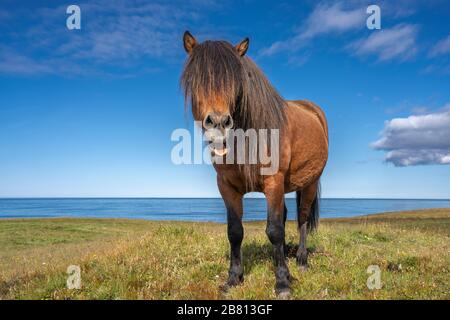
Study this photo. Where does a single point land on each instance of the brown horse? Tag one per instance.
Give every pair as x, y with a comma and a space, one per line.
225, 89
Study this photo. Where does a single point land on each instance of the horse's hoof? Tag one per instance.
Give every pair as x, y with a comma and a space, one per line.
303, 268
232, 281
235, 280
224, 288
284, 294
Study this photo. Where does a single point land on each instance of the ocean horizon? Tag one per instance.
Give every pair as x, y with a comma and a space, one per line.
196, 209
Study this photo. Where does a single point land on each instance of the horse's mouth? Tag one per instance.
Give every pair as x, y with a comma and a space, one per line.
218, 149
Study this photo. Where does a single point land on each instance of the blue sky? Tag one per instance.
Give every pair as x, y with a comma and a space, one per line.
90, 112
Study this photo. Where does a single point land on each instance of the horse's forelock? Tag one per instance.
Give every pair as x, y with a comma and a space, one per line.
212, 72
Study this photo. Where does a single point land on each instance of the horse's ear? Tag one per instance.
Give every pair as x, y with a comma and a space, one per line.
242, 47
189, 42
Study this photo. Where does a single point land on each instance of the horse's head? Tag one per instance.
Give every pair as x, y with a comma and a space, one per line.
212, 81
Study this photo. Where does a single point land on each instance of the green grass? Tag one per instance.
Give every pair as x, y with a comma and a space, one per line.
131, 259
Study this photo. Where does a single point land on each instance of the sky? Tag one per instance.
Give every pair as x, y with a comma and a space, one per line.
90, 112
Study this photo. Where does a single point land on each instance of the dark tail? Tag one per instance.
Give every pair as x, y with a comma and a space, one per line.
313, 219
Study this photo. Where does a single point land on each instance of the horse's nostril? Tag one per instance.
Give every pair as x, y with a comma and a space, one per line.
208, 122
227, 122
214, 120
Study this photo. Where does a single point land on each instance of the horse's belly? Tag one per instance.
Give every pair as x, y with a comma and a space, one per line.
309, 149
300, 177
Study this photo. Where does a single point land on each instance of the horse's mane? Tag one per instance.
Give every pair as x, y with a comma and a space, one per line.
214, 69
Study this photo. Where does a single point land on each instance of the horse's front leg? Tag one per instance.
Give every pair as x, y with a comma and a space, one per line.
235, 230
274, 191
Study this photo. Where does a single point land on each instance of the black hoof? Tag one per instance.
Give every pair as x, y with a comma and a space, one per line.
235, 280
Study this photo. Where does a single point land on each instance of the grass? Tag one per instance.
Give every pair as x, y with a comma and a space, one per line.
131, 259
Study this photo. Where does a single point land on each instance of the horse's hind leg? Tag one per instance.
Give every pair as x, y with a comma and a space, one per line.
235, 230
284, 224
306, 206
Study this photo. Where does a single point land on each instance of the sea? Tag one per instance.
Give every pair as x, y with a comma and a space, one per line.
194, 209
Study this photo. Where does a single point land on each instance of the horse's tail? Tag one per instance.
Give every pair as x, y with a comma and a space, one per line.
313, 218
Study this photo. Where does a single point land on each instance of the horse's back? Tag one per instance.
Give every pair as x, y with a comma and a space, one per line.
312, 108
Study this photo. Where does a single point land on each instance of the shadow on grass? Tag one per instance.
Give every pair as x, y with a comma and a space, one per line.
255, 253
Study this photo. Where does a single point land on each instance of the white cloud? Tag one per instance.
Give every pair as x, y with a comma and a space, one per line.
325, 19
441, 48
332, 19
398, 42
417, 139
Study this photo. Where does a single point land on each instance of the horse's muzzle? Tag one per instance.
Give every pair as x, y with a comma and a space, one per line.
216, 128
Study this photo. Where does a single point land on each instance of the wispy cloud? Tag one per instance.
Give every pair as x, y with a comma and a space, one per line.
13, 62
417, 140
398, 42
115, 34
440, 48
331, 19
437, 69
324, 19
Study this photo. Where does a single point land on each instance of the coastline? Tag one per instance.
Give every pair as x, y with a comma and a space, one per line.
386, 214
212, 210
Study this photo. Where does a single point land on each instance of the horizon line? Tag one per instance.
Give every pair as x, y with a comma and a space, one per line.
193, 198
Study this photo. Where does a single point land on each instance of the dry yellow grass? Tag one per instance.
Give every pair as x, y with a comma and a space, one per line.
130, 259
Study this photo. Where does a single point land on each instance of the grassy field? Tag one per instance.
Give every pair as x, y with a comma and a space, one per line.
130, 259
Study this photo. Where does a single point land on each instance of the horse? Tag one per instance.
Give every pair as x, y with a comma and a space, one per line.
225, 89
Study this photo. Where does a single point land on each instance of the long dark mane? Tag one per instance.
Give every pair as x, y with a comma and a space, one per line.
215, 69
